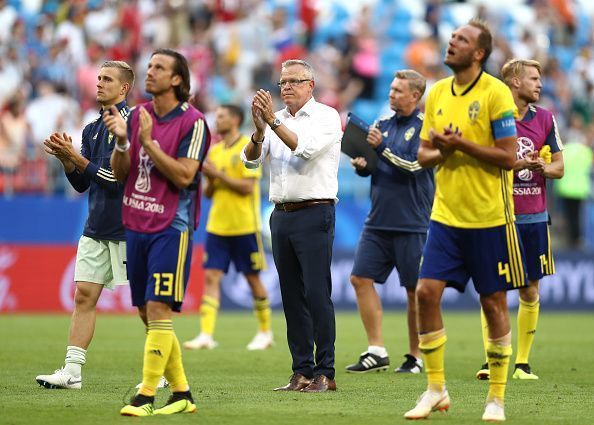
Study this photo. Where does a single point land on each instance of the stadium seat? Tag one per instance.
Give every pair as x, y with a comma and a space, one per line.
367, 110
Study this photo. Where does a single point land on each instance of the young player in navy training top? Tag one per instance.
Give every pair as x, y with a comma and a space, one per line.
101, 254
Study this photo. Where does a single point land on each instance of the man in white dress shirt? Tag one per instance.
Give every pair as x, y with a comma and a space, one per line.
302, 142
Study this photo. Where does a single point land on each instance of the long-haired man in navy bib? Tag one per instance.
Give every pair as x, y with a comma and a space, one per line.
158, 155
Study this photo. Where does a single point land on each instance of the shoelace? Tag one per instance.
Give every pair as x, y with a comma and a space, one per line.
318, 379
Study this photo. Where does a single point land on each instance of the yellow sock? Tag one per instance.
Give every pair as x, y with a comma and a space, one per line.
157, 349
174, 371
498, 351
208, 314
432, 346
527, 321
485, 329
262, 312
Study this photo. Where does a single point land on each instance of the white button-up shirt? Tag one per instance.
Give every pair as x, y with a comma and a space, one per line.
311, 170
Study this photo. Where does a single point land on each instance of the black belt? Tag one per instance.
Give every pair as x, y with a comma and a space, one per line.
294, 206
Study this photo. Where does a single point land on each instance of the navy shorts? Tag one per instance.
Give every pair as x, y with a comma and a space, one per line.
537, 249
244, 251
158, 266
492, 257
379, 251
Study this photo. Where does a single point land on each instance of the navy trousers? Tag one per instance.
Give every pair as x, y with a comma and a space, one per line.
302, 249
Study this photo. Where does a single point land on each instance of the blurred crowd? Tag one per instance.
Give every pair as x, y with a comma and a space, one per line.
51, 52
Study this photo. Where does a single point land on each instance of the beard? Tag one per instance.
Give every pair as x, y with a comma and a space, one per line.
461, 65
529, 97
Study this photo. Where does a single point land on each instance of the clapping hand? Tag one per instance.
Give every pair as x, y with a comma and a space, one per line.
60, 146
115, 123
533, 162
145, 129
257, 117
447, 141
209, 170
262, 109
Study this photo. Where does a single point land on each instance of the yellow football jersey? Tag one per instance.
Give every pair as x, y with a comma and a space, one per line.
233, 214
470, 193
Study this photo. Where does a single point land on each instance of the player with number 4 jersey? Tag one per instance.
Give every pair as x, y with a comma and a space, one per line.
469, 133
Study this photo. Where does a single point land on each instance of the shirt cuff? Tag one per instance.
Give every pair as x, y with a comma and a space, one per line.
91, 170
300, 148
380, 148
251, 164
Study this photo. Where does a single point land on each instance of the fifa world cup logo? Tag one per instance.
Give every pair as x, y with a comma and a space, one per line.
525, 149
145, 165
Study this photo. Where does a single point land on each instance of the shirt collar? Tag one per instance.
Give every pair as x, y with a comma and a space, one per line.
530, 113
405, 118
306, 109
120, 106
178, 110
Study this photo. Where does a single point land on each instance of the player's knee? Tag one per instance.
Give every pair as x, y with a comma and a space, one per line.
254, 281
84, 297
425, 296
494, 305
212, 279
529, 294
359, 283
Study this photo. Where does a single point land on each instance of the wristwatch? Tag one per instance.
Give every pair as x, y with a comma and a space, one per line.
275, 124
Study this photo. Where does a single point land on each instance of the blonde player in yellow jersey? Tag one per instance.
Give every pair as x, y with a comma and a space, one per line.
469, 133
233, 230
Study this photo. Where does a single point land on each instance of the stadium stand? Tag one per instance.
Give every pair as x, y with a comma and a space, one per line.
234, 47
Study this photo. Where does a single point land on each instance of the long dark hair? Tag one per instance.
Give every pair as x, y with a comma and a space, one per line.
180, 67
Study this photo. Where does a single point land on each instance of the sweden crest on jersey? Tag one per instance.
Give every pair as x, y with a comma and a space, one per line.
473, 111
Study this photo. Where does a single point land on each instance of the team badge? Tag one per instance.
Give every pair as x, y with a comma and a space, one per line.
409, 134
473, 111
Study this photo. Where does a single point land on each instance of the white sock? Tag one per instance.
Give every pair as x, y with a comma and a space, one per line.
75, 358
377, 350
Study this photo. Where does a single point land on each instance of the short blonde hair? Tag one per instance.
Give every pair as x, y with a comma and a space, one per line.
125, 71
515, 68
416, 81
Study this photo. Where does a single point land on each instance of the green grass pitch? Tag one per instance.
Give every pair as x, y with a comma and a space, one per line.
234, 386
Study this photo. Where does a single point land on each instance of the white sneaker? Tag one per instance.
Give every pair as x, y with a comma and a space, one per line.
162, 383
428, 402
201, 342
261, 341
494, 411
60, 379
